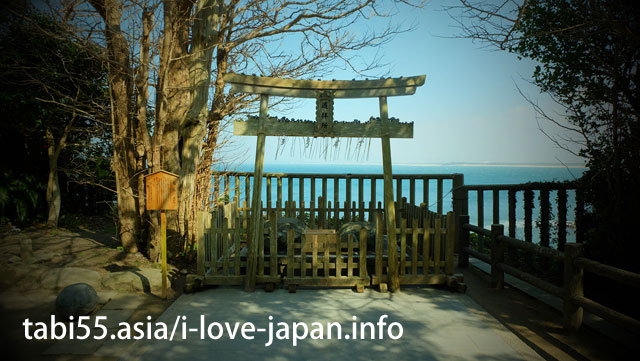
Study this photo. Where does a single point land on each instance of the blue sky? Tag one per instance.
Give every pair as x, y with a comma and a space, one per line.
468, 110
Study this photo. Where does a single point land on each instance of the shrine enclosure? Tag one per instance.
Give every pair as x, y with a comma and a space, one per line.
324, 92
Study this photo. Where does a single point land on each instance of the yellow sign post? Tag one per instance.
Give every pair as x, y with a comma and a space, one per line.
162, 195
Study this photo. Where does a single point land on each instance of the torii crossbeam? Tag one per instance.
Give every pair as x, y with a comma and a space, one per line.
324, 91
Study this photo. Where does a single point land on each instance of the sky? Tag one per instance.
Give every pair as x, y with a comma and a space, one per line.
468, 111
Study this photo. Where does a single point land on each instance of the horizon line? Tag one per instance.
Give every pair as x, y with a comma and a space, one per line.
435, 164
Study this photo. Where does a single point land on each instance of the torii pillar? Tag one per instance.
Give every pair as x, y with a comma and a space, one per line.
256, 200
389, 205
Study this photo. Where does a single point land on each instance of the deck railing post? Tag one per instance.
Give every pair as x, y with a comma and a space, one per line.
450, 242
497, 256
528, 214
579, 215
545, 216
460, 198
562, 219
462, 240
573, 286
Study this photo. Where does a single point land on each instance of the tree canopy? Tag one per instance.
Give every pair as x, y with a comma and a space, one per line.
588, 54
53, 102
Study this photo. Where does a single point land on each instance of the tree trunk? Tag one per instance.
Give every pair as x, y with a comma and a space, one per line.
155, 250
124, 159
193, 130
218, 111
54, 198
172, 100
143, 139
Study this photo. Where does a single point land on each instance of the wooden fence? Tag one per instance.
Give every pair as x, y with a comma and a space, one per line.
545, 222
574, 266
221, 252
425, 250
322, 257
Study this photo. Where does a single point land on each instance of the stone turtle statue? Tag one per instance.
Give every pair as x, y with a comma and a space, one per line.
78, 299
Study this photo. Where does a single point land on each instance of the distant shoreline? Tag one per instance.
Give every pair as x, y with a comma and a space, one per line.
513, 165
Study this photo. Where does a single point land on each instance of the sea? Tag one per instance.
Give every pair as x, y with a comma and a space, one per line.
474, 174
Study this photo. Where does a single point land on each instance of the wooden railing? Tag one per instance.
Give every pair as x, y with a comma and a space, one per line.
329, 199
572, 291
320, 195
545, 222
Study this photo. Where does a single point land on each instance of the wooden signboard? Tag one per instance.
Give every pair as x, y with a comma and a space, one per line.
162, 191
319, 239
162, 195
324, 112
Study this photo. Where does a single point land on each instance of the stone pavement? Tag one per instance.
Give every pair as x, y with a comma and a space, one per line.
437, 325
118, 307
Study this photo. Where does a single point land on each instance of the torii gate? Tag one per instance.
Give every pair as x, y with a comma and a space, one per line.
324, 92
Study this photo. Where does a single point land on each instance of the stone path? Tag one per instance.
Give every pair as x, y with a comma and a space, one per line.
55, 262
119, 307
437, 325
37, 263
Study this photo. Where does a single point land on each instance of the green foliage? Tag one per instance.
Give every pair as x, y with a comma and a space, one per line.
588, 54
18, 196
51, 76
49, 79
69, 221
480, 243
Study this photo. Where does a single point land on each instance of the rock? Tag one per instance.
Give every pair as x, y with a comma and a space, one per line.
284, 224
22, 276
26, 248
354, 228
43, 255
12, 238
126, 281
58, 278
141, 280
243, 252
78, 299
193, 283
154, 277
8, 248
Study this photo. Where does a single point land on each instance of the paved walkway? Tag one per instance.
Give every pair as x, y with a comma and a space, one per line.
437, 325
119, 307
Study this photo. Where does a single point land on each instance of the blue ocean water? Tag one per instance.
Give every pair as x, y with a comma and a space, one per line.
473, 175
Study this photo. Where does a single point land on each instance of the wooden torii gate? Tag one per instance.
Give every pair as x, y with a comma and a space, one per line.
324, 92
